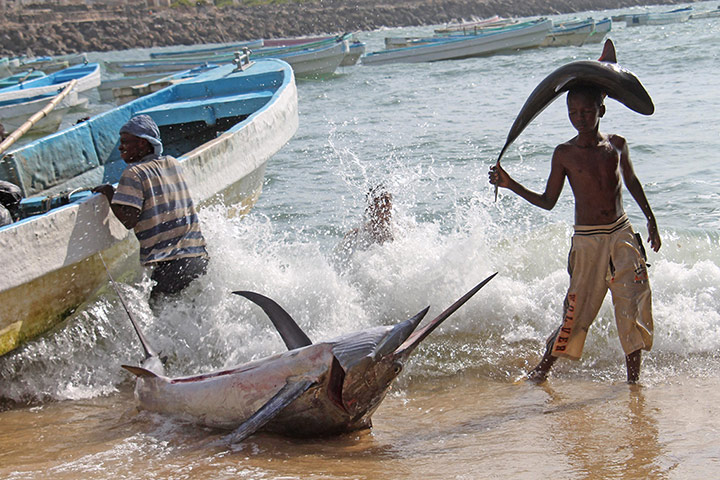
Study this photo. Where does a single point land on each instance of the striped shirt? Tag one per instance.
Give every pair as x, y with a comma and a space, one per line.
168, 227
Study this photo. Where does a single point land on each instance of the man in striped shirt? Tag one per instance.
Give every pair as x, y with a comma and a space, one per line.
152, 198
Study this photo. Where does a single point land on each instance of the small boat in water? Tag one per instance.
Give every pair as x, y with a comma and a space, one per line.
19, 102
602, 28
356, 49
706, 14
658, 18
432, 49
222, 126
87, 76
571, 33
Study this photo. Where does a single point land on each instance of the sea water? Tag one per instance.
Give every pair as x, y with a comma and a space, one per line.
428, 134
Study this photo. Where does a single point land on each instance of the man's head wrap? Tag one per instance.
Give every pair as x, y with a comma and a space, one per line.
143, 126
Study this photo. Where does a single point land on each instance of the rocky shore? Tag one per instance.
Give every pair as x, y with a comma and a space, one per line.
48, 29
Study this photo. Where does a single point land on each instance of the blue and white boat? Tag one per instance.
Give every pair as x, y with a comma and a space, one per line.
19, 102
20, 77
223, 126
658, 18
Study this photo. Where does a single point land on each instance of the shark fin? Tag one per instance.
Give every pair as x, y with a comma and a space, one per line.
139, 371
608, 54
289, 393
291, 333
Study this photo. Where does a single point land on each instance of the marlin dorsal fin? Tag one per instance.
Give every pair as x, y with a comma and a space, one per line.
608, 54
291, 333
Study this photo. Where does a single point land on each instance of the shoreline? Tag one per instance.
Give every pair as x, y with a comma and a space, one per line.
84, 28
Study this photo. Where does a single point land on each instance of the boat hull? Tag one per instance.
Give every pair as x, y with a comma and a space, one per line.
51, 261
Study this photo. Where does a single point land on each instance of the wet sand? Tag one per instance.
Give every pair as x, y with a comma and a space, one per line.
461, 427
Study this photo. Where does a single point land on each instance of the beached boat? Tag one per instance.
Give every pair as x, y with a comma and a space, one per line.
464, 46
308, 59
602, 28
223, 126
572, 33
658, 18
18, 102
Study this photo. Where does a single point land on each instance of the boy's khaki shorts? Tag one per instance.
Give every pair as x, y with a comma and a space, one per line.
605, 257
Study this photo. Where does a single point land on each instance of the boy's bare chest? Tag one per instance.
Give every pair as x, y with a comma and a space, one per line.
597, 167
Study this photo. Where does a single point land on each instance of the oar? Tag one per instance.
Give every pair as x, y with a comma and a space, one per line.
149, 352
36, 118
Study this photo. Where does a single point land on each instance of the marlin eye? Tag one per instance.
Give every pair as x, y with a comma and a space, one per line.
397, 368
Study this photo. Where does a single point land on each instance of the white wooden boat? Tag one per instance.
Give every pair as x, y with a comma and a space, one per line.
464, 46
222, 126
402, 42
317, 58
602, 28
658, 18
19, 102
573, 33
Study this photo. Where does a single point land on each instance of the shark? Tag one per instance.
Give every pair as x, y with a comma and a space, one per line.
312, 389
614, 80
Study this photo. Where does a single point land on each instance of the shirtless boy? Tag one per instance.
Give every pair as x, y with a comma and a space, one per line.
605, 252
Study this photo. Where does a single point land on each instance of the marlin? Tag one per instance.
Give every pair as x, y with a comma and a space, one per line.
313, 389
605, 74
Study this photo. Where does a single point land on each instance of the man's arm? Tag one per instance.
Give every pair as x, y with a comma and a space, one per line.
127, 215
636, 190
553, 188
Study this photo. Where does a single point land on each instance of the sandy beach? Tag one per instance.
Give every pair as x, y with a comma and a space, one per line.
44, 29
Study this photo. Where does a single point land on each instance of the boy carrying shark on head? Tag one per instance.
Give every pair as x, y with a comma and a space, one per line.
605, 252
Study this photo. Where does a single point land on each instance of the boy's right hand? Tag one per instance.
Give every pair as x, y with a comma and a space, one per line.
498, 176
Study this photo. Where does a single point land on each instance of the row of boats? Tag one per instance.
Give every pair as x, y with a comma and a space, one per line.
223, 112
